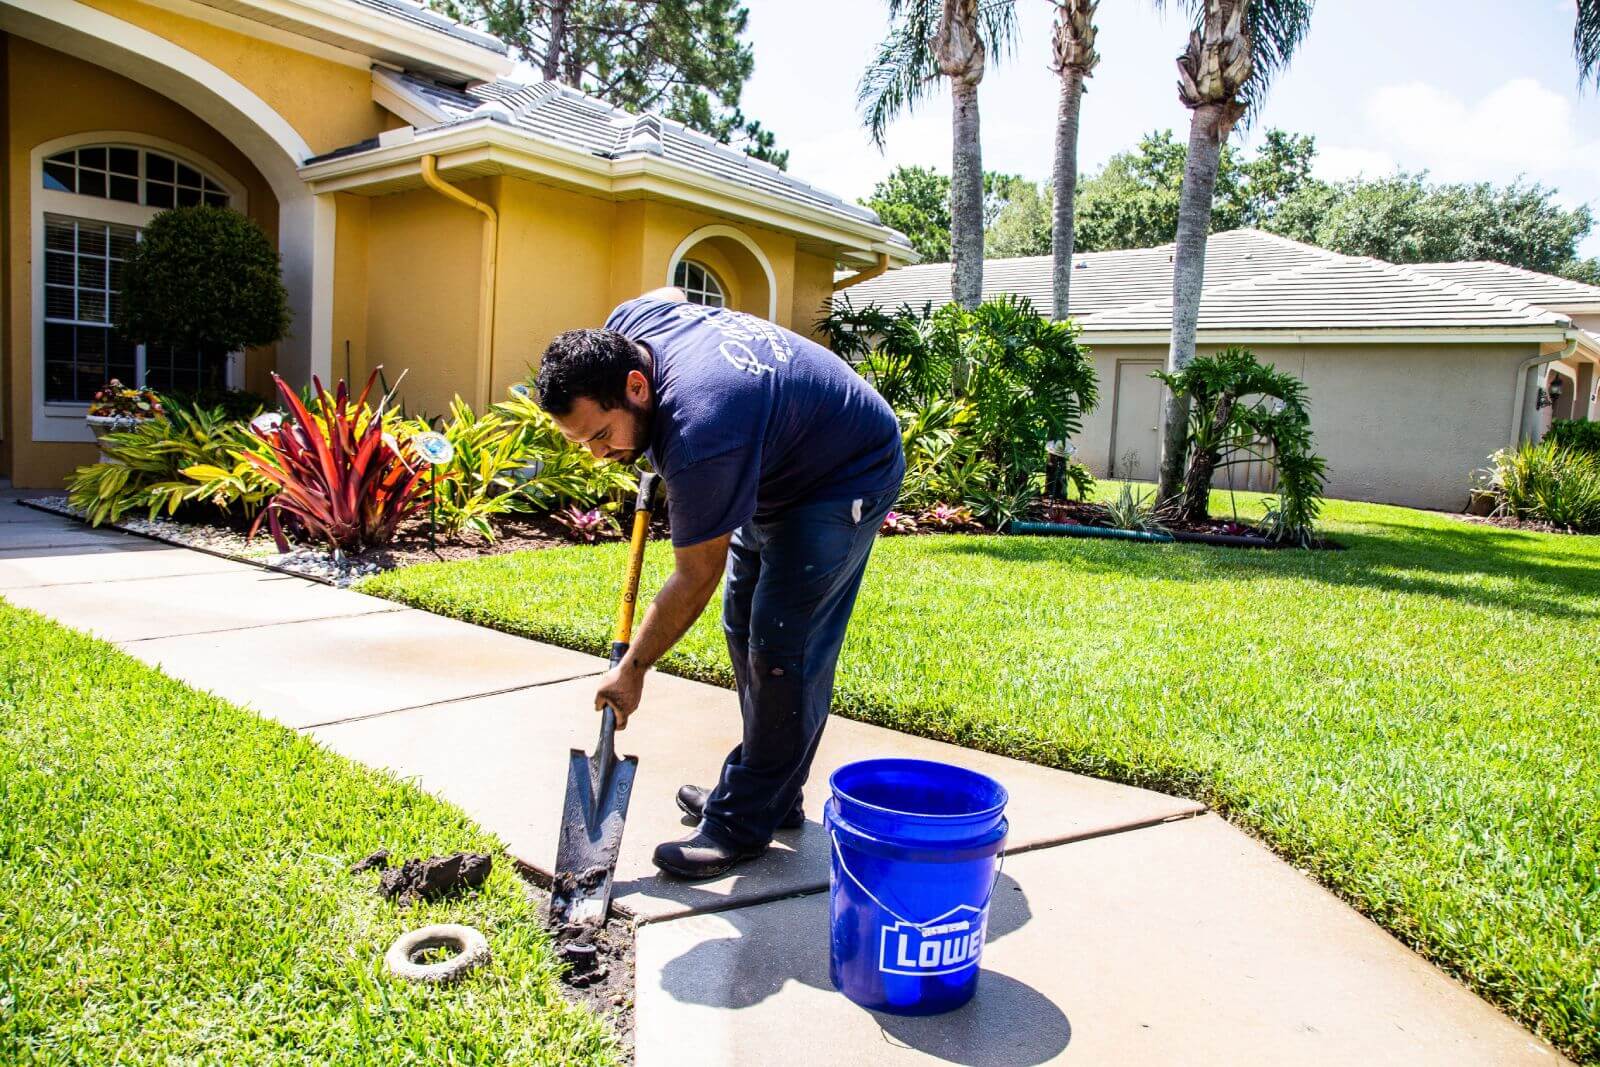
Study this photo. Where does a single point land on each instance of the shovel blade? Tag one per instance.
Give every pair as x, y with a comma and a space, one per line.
592, 816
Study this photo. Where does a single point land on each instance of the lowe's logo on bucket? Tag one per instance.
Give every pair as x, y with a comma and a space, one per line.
950, 943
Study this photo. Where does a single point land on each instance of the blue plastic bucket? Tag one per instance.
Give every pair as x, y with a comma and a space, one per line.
916, 849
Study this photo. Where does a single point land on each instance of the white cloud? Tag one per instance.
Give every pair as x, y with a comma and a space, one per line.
1521, 126
1337, 162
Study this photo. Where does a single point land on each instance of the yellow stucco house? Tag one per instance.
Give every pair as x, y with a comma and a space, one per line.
431, 215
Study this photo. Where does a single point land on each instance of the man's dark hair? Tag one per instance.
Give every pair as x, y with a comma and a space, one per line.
591, 363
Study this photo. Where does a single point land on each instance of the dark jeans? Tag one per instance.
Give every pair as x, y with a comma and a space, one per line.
790, 587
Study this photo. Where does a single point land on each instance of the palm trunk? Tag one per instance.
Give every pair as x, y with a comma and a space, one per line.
966, 196
1064, 182
1203, 465
1207, 128
558, 39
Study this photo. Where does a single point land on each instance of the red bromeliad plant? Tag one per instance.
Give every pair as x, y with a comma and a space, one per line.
341, 478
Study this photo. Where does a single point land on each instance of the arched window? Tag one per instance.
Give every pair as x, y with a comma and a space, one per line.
131, 175
96, 200
699, 284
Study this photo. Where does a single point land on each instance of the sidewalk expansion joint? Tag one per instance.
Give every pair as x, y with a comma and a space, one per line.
452, 700
262, 625
793, 894
110, 581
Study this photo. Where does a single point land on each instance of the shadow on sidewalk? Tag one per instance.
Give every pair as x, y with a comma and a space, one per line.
1008, 1021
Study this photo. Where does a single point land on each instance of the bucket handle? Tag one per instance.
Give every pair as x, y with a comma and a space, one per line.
833, 836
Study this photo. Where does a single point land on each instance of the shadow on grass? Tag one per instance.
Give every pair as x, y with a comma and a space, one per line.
1444, 563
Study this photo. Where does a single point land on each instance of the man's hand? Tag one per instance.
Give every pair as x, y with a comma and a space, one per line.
695, 574
622, 688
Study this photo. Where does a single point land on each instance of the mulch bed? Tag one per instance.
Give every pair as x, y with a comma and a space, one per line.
1506, 522
512, 534
1085, 513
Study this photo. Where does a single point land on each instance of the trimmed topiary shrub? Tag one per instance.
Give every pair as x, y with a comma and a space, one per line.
203, 279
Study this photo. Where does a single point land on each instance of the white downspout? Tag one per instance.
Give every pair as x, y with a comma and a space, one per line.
1522, 383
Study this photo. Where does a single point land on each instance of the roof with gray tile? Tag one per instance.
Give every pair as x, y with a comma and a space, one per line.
1545, 290
1253, 281
1336, 293
421, 16
1100, 280
557, 113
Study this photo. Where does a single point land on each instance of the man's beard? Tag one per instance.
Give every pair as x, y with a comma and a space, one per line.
643, 420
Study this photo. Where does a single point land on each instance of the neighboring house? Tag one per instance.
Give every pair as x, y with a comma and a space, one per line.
431, 216
1415, 374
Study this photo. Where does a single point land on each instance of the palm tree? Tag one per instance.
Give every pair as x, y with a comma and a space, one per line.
1075, 60
1586, 41
953, 39
1235, 49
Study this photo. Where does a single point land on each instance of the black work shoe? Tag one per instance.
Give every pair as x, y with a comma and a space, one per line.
692, 801
698, 857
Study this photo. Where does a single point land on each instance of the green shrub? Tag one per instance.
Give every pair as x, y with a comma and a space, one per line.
1575, 433
206, 279
1547, 482
1241, 411
238, 404
187, 456
1133, 510
566, 473
513, 459
1016, 381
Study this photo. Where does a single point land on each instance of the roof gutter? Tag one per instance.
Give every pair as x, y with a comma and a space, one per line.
863, 275
1519, 404
491, 254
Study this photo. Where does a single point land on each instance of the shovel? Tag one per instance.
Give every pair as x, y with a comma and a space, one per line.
598, 786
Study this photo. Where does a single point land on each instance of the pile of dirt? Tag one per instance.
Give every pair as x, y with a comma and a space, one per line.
599, 963
434, 878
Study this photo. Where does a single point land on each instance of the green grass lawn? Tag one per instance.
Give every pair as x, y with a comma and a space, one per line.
173, 887
1413, 720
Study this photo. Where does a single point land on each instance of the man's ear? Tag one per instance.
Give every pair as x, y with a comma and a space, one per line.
638, 387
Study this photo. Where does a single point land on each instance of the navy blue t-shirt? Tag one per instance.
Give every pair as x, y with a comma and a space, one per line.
751, 419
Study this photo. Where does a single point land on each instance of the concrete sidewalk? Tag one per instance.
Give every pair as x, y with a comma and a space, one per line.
1131, 928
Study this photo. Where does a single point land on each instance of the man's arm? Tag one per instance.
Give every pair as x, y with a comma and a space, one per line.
696, 571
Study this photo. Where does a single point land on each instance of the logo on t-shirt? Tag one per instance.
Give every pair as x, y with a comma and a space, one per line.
739, 328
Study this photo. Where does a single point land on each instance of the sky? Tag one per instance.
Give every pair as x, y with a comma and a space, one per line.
1381, 84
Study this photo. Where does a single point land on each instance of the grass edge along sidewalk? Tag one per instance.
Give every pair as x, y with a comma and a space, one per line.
174, 887
1409, 720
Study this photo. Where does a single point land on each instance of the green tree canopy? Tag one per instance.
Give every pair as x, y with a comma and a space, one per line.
916, 201
1021, 222
684, 58
1133, 201
1406, 219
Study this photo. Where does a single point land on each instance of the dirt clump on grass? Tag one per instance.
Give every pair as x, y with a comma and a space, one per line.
434, 878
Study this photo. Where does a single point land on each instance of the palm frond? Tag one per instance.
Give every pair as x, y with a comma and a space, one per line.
906, 67
902, 73
1586, 42
1277, 28
997, 26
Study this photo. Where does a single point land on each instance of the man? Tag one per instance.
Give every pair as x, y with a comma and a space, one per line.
780, 464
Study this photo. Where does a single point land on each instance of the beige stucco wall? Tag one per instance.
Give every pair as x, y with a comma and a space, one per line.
564, 260
50, 95
328, 103
813, 292
406, 267
1398, 424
